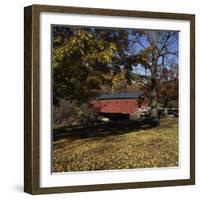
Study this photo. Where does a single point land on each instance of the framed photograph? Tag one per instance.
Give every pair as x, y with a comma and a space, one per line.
109, 99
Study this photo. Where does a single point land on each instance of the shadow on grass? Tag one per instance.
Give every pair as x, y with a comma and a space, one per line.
101, 129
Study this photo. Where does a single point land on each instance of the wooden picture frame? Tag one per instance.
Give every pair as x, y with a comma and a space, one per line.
32, 98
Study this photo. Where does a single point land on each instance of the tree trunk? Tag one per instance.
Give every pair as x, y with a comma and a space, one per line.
154, 109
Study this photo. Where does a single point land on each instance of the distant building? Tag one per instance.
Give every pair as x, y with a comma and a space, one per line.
120, 104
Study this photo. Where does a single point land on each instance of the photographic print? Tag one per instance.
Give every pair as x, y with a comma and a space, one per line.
109, 99
114, 98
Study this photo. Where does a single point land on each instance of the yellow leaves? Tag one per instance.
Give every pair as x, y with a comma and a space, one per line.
57, 39
145, 55
85, 46
118, 78
86, 55
153, 147
144, 58
113, 46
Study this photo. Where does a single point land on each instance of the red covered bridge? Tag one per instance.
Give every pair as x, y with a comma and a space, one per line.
120, 104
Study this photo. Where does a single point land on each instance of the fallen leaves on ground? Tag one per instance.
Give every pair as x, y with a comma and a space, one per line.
145, 148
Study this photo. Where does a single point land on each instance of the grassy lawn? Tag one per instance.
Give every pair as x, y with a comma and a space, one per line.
118, 145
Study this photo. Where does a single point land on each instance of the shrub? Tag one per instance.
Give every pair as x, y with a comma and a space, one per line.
71, 113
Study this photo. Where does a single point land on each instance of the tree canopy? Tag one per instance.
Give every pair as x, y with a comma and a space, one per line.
87, 59
81, 63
